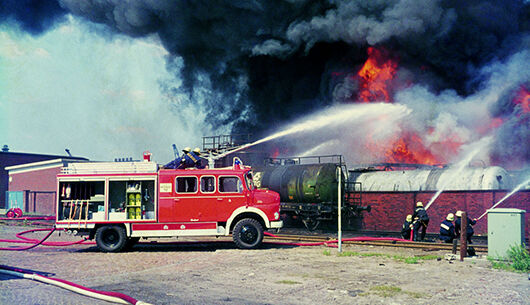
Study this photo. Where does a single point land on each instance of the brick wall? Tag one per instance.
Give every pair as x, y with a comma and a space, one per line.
389, 209
40, 187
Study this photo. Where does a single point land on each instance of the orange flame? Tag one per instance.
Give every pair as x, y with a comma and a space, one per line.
375, 77
410, 149
523, 99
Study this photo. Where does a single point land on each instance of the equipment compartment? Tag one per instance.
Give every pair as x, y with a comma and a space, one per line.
80, 200
131, 199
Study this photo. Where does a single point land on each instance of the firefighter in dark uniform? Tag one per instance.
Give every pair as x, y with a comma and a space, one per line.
447, 229
407, 227
469, 228
422, 221
189, 159
201, 162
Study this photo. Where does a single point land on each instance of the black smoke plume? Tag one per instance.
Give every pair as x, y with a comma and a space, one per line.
270, 61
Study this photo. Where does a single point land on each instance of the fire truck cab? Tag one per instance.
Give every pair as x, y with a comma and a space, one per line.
117, 203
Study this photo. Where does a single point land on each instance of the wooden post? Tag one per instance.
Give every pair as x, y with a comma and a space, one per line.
463, 236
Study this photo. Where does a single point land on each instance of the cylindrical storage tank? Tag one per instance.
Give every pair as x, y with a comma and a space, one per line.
307, 183
470, 178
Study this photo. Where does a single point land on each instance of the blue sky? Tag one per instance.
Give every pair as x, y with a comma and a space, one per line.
100, 96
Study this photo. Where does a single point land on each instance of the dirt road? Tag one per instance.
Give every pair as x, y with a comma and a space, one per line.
218, 273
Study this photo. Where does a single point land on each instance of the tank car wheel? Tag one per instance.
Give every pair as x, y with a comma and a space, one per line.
311, 224
111, 238
248, 233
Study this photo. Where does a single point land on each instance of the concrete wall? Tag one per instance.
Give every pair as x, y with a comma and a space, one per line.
389, 209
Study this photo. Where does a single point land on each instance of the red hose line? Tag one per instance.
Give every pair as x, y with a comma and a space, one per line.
32, 246
29, 218
37, 242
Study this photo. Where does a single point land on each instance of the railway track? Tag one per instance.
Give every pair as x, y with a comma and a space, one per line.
426, 246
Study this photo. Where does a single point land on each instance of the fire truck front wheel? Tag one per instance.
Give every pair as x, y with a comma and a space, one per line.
111, 238
248, 233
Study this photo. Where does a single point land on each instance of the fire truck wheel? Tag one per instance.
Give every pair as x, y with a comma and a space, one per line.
248, 233
111, 238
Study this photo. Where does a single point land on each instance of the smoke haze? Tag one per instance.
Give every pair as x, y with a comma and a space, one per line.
253, 66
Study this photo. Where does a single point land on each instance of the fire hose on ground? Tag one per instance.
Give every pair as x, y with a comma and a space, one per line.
114, 296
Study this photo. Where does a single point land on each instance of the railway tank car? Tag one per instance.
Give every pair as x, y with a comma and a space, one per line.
309, 192
471, 178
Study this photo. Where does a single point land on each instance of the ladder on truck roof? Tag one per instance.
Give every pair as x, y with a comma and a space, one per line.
87, 168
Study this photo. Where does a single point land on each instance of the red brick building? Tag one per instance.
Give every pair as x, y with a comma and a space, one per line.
35, 185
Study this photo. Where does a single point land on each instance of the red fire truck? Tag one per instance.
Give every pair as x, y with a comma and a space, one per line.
117, 203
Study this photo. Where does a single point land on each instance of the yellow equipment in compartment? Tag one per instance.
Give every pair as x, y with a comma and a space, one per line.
134, 206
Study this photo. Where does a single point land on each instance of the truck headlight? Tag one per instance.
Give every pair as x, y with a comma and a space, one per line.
276, 215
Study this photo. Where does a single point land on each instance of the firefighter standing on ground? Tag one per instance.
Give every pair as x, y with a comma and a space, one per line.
447, 229
469, 228
407, 227
422, 221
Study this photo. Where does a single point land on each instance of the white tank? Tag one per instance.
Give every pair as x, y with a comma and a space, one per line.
473, 178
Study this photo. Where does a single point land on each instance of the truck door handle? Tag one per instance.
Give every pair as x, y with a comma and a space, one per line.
219, 199
177, 199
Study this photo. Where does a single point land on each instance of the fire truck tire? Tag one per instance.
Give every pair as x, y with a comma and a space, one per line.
248, 233
111, 238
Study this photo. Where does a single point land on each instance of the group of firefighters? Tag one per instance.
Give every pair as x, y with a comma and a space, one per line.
419, 221
189, 159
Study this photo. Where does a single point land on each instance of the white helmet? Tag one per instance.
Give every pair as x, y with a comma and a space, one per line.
187, 149
450, 217
459, 213
197, 150
419, 204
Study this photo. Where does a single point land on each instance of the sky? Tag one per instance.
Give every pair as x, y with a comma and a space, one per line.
100, 96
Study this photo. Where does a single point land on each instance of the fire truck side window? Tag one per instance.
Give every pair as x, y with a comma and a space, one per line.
207, 184
230, 185
186, 184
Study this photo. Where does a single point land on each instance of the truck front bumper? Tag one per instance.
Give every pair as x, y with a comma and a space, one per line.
276, 224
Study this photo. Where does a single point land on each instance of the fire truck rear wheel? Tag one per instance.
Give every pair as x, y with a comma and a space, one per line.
248, 233
111, 238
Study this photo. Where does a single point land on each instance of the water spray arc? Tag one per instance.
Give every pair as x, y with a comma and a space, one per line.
334, 116
515, 190
460, 166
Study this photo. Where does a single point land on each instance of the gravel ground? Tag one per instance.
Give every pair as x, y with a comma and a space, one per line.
216, 272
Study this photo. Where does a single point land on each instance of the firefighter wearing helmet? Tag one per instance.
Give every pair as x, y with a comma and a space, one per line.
407, 227
421, 221
447, 229
469, 228
189, 159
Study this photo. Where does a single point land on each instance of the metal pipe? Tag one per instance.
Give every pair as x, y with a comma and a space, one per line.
339, 210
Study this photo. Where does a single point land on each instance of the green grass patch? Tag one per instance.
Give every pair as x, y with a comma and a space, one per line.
288, 282
518, 260
392, 291
351, 253
404, 259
